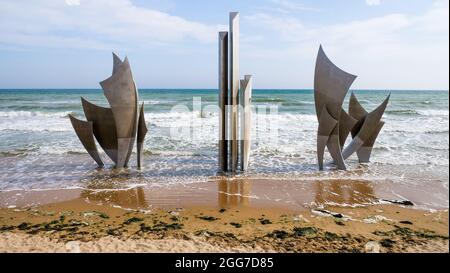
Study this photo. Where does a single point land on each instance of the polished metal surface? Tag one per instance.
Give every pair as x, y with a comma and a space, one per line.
365, 151
85, 133
326, 125
346, 125
115, 128
223, 101
104, 127
359, 113
141, 133
331, 85
234, 86
234, 99
370, 127
245, 100
121, 93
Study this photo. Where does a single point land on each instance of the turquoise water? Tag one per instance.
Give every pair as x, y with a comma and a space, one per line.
39, 150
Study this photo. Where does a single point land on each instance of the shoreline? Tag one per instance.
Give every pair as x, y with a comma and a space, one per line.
133, 221
295, 194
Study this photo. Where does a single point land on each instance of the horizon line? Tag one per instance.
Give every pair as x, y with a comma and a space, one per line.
205, 89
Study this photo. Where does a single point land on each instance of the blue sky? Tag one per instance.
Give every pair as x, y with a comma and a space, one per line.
389, 44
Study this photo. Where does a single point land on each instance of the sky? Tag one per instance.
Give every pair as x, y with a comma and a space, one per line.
389, 44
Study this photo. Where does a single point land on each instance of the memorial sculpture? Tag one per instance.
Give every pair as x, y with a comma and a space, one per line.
118, 127
234, 103
331, 85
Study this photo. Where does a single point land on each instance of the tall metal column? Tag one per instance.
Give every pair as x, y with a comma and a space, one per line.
223, 101
234, 86
245, 121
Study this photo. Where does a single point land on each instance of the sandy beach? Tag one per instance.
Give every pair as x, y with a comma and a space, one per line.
54, 198
219, 218
273, 126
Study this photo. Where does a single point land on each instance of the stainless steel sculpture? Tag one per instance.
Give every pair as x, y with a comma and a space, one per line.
104, 127
115, 128
234, 86
366, 130
246, 120
121, 93
234, 103
141, 132
223, 101
331, 85
84, 131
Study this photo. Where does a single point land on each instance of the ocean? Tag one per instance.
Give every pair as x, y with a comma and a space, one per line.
39, 149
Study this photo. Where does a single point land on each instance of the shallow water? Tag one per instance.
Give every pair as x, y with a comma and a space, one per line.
39, 150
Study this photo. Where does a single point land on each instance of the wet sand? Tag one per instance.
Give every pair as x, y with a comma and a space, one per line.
222, 192
220, 216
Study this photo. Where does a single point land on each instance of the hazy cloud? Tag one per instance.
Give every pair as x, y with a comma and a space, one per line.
73, 2
373, 2
396, 50
94, 24
391, 51
288, 5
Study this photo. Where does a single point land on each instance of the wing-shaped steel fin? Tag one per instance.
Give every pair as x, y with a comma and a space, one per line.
365, 151
116, 62
115, 128
326, 125
368, 128
346, 124
135, 126
120, 90
355, 108
84, 131
358, 112
334, 147
331, 85
104, 127
141, 132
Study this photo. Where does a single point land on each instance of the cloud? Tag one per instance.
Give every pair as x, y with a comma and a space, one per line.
391, 51
94, 24
436, 19
373, 2
73, 2
284, 7
292, 6
289, 28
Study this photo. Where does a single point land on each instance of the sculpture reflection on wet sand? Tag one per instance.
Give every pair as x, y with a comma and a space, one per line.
133, 198
118, 127
233, 193
331, 85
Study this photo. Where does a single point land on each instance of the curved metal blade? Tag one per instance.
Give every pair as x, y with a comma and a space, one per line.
120, 90
104, 127
141, 132
85, 133
326, 125
369, 127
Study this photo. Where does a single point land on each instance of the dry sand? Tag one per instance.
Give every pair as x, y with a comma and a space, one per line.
80, 226
17, 242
